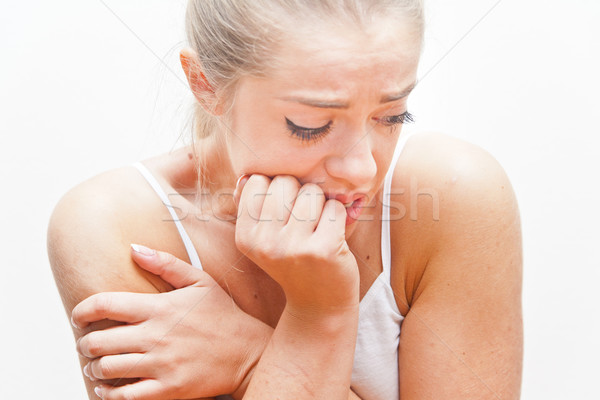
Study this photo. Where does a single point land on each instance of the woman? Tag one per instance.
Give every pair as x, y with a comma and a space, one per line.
339, 258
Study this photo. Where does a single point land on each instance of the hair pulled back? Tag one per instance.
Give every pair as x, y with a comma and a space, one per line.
236, 38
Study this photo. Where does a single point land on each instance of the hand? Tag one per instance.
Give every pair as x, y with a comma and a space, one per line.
188, 343
298, 237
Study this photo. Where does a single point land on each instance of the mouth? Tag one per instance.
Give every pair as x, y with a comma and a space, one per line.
352, 203
353, 208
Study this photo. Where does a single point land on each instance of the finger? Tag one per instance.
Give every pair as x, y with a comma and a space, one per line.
116, 306
252, 197
145, 389
308, 208
176, 272
249, 210
133, 365
113, 340
332, 224
279, 200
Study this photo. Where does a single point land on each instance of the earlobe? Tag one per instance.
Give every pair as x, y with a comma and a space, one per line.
201, 88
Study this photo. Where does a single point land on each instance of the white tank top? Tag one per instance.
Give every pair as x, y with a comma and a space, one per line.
375, 369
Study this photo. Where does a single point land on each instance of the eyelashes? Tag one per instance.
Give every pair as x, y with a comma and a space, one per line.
403, 118
306, 134
315, 134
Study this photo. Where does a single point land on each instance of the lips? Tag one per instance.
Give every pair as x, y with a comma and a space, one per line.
347, 201
353, 203
354, 210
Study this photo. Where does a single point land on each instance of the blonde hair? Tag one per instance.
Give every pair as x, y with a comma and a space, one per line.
236, 38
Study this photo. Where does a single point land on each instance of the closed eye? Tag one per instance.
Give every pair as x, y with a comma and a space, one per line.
392, 120
307, 134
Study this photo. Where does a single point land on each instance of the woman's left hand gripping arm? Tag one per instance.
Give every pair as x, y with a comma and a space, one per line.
188, 343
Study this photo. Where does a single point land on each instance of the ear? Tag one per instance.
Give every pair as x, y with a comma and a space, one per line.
202, 90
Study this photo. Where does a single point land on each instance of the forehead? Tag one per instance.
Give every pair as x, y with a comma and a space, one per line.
345, 62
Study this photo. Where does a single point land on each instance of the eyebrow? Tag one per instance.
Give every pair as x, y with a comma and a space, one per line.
341, 104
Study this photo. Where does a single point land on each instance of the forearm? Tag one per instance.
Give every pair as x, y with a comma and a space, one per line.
260, 338
307, 357
239, 394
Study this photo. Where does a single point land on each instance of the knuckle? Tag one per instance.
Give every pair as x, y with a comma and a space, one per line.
102, 303
279, 179
158, 345
311, 192
312, 188
91, 345
260, 178
167, 260
286, 180
104, 369
94, 349
268, 248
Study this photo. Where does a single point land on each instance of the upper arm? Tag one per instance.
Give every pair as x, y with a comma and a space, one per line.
462, 337
89, 236
88, 245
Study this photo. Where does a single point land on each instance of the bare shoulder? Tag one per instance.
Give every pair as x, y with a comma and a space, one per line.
456, 170
451, 195
110, 194
461, 266
90, 232
89, 235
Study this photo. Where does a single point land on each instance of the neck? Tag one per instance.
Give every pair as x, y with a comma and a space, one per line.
216, 178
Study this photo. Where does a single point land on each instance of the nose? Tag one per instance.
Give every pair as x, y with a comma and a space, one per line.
354, 162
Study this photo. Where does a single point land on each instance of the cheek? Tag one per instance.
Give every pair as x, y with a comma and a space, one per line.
258, 149
279, 160
382, 152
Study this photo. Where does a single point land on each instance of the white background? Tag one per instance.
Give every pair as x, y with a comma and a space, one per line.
83, 90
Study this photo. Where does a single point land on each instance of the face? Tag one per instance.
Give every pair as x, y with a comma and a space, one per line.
331, 115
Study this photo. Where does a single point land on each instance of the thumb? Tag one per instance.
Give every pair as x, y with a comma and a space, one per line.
176, 272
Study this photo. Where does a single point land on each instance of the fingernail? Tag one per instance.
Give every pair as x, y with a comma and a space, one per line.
98, 391
143, 250
237, 193
73, 323
241, 181
86, 372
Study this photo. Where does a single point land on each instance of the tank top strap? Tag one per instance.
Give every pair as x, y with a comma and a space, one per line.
189, 246
386, 251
